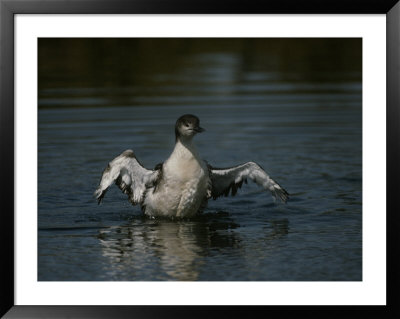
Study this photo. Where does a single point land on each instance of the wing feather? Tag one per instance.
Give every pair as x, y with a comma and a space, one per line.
229, 180
129, 175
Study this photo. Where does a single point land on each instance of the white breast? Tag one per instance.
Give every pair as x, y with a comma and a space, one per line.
183, 188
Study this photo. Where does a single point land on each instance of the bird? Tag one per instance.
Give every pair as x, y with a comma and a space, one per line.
181, 186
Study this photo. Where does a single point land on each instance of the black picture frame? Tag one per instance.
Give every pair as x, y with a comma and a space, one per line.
8, 10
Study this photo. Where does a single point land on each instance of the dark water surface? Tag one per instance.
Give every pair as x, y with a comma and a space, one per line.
295, 111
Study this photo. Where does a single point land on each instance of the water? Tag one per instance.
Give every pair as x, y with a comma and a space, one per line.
302, 125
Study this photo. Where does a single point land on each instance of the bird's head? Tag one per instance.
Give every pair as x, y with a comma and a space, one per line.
187, 126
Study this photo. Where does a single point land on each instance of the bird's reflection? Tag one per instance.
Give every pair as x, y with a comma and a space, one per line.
278, 228
174, 250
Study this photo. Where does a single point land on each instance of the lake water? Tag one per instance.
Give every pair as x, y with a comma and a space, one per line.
304, 129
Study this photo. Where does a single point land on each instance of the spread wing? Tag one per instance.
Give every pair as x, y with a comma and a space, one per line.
226, 179
129, 175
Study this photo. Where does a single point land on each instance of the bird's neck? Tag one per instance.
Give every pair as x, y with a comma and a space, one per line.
184, 147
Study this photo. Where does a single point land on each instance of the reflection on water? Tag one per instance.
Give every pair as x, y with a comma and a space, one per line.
137, 72
176, 248
292, 105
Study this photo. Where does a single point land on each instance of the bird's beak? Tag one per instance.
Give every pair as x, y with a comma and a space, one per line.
199, 129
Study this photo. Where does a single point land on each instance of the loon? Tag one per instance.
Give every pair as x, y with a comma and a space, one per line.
181, 186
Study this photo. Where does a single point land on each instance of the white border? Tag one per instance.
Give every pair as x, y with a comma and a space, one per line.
372, 290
